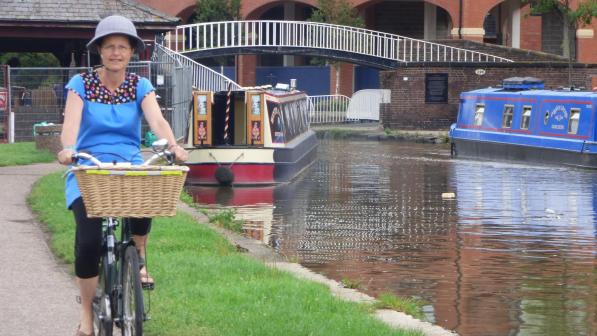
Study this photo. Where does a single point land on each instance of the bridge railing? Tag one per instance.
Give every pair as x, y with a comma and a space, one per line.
204, 78
328, 109
271, 33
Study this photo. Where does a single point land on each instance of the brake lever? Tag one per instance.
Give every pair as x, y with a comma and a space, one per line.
170, 157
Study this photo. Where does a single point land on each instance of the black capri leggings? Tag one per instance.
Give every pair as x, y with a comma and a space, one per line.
88, 239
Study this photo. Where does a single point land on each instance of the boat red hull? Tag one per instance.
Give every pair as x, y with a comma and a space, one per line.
266, 166
244, 174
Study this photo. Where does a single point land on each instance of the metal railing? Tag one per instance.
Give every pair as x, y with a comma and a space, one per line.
304, 34
328, 109
203, 78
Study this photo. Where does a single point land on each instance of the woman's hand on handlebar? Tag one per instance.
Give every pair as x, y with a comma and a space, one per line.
65, 156
180, 154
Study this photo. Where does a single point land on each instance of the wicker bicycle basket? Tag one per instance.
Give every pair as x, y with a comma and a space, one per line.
134, 191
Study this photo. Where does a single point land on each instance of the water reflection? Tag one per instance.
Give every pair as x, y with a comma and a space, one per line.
528, 241
513, 254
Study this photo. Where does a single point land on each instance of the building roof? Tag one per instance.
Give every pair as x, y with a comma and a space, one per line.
65, 11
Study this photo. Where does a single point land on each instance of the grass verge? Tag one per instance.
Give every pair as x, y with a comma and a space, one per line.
23, 153
409, 306
204, 287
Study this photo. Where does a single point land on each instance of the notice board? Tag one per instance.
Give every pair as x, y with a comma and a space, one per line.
436, 88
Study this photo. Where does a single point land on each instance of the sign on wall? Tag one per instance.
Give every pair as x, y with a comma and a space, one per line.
436, 88
3, 100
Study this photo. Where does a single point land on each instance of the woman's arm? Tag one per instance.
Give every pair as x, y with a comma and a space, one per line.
73, 112
160, 126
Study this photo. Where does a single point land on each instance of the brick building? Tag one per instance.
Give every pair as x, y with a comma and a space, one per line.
63, 27
506, 23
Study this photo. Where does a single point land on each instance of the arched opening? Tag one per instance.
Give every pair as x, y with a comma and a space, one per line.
502, 24
511, 24
416, 19
557, 37
287, 11
187, 15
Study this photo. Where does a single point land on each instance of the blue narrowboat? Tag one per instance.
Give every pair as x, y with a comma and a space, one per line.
522, 121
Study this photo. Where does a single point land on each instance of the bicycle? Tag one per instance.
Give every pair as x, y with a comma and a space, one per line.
119, 298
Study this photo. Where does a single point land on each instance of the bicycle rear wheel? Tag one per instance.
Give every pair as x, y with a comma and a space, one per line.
102, 308
132, 294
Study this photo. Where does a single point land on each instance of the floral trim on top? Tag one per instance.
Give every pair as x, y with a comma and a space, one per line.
96, 92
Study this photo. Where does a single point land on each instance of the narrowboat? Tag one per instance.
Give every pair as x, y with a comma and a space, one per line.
254, 136
522, 121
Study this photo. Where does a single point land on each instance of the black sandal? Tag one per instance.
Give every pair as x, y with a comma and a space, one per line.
147, 281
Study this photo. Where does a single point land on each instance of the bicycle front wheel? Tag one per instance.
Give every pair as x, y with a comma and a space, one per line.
132, 294
102, 307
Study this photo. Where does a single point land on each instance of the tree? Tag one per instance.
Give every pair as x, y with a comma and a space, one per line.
338, 12
573, 18
214, 11
29, 59
217, 10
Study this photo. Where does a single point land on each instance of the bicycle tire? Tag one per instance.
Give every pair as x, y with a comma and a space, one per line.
102, 303
132, 295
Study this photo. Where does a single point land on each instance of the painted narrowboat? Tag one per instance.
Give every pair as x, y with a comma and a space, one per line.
254, 136
522, 121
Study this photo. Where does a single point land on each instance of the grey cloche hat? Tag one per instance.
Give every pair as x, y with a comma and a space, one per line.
116, 24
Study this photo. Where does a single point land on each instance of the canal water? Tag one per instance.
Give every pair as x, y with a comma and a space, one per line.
513, 252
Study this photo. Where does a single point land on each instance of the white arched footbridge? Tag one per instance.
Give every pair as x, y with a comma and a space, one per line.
355, 45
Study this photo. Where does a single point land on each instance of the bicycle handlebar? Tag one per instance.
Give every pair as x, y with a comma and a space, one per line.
159, 150
87, 156
166, 154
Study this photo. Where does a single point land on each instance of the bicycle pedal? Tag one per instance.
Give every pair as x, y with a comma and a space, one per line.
147, 286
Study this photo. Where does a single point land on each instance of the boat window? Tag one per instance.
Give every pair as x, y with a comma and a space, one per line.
507, 116
526, 117
573, 123
479, 111
546, 118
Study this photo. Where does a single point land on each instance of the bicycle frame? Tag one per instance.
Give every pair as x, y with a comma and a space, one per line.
112, 262
119, 297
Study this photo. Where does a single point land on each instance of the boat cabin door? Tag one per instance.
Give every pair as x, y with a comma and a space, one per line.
228, 118
202, 118
255, 103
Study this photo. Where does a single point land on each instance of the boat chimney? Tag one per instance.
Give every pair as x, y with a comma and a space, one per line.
292, 84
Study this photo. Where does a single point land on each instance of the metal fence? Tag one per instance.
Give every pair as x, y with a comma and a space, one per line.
174, 81
4, 103
38, 95
328, 109
203, 78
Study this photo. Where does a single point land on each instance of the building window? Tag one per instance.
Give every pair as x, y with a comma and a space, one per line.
526, 117
573, 123
507, 116
479, 111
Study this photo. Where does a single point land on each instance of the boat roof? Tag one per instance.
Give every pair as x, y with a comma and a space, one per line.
500, 91
283, 92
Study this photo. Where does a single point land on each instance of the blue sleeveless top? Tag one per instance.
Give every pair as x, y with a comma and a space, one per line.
110, 126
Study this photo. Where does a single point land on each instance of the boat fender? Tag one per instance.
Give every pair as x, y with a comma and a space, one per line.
453, 149
224, 176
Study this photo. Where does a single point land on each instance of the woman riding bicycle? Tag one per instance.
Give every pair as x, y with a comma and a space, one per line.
103, 116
